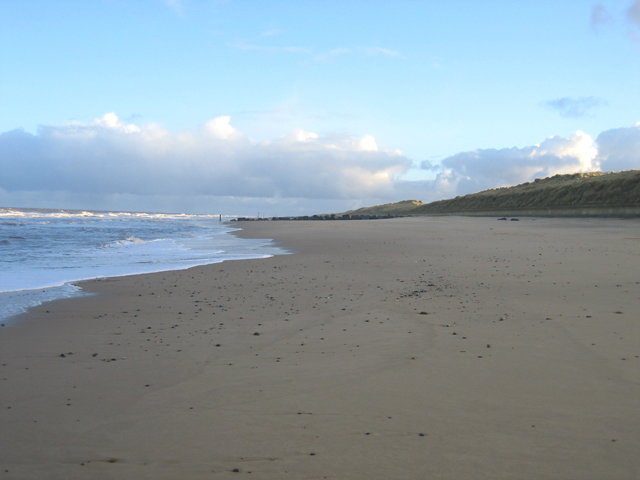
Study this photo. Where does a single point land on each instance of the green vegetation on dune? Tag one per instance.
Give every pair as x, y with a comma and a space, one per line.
594, 189
405, 207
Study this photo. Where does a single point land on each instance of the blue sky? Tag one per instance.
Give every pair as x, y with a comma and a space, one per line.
306, 107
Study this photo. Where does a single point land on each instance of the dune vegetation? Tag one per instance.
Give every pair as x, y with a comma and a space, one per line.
601, 193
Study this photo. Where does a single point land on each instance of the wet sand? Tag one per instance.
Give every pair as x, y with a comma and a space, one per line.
436, 348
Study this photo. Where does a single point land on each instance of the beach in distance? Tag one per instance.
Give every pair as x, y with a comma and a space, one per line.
404, 348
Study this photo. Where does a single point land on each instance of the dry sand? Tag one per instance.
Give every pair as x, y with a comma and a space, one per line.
417, 348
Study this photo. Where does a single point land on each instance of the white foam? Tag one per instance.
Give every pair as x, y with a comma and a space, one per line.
16, 303
44, 252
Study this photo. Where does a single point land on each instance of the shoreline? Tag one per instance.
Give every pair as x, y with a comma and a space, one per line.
58, 278
499, 342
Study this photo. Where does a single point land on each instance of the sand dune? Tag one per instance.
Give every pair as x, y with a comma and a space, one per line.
596, 193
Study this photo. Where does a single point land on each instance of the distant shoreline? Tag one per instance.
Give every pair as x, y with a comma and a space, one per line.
604, 211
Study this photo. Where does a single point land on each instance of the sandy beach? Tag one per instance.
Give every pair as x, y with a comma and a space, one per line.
409, 348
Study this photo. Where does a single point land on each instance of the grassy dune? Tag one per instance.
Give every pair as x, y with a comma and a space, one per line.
597, 191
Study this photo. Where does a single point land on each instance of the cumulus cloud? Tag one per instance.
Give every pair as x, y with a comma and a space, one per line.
109, 157
469, 172
619, 148
574, 107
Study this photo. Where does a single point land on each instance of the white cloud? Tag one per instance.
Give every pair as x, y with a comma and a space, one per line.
110, 120
108, 157
469, 172
619, 148
367, 144
221, 128
299, 135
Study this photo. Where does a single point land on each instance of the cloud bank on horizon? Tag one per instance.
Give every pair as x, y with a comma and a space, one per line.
109, 158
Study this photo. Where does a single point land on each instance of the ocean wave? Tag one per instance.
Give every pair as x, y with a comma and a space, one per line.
60, 246
125, 242
61, 214
10, 212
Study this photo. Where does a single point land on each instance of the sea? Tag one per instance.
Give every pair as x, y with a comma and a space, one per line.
45, 253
